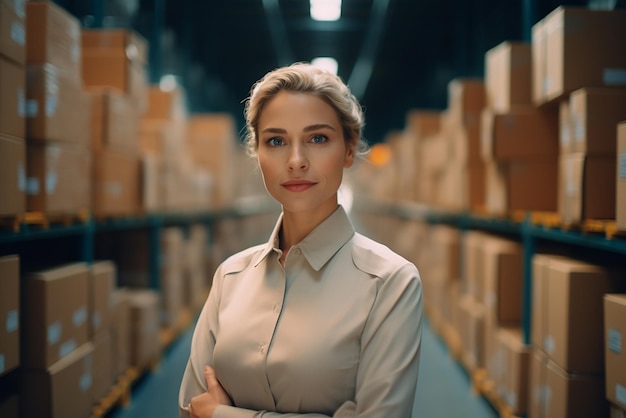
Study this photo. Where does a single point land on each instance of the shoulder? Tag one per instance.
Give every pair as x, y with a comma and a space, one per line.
241, 260
377, 259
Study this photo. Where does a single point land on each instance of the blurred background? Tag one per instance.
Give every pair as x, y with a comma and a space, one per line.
497, 166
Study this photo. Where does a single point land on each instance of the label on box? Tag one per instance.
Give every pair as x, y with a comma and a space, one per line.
615, 341
96, 320
113, 188
548, 344
622, 165
51, 182
54, 332
79, 317
21, 102
614, 76
20, 8
12, 322
32, 108
52, 102
32, 186
579, 130
67, 347
85, 382
21, 177
620, 393
18, 34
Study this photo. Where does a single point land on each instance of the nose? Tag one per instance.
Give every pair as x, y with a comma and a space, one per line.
297, 158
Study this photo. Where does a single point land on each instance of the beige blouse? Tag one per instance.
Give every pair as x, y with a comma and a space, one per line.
336, 332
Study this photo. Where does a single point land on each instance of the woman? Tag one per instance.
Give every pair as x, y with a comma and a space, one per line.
320, 321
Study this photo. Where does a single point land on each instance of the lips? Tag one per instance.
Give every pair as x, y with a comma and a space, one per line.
298, 185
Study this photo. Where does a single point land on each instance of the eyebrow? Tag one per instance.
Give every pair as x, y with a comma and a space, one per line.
306, 129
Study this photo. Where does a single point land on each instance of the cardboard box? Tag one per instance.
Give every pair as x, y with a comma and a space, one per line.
52, 36
162, 104
566, 136
58, 177
539, 314
13, 30
52, 330
508, 76
514, 389
502, 269
12, 176
10, 313
114, 123
620, 199
584, 48
115, 183
614, 348
595, 112
473, 263
521, 185
212, 143
102, 364
145, 342
120, 332
116, 58
12, 99
553, 393
102, 281
538, 48
134, 45
466, 99
573, 336
173, 278
473, 317
64, 390
57, 109
422, 123
522, 133
151, 188
586, 187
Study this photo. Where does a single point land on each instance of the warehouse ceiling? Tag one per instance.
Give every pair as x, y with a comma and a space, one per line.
396, 55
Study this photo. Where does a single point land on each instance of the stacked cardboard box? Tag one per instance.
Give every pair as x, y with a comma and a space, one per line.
57, 356
614, 354
9, 309
12, 108
113, 69
620, 199
519, 143
58, 113
589, 119
567, 364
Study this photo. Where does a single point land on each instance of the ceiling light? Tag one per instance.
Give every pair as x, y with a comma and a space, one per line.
326, 63
326, 9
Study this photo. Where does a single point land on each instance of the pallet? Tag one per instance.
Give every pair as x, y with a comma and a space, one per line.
484, 386
119, 395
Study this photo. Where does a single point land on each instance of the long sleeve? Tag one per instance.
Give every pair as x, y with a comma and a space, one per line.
202, 347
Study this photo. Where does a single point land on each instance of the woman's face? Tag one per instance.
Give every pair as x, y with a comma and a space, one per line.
302, 152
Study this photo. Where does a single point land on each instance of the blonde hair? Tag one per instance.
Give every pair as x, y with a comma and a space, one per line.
305, 78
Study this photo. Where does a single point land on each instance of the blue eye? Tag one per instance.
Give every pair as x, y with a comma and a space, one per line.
319, 139
275, 142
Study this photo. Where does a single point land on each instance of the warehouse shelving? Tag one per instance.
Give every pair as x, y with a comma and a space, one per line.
530, 228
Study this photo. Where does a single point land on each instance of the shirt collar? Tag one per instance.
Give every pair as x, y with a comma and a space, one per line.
321, 243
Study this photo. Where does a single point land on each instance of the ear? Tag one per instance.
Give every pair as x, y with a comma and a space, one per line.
349, 159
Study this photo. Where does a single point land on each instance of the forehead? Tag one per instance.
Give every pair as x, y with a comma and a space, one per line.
293, 108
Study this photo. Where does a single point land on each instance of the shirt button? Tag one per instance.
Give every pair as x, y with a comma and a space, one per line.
262, 349
296, 251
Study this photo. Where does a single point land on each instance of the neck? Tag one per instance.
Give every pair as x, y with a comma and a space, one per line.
297, 225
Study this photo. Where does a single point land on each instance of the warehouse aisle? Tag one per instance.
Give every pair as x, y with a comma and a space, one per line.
443, 389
